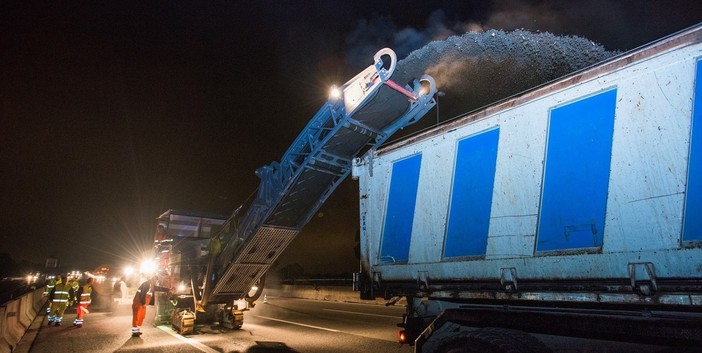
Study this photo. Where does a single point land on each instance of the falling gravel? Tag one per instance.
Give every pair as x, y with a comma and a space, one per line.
476, 69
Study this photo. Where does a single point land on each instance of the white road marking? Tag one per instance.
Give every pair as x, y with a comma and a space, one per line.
189, 341
357, 313
297, 323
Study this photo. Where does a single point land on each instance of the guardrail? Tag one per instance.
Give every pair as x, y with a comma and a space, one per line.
15, 317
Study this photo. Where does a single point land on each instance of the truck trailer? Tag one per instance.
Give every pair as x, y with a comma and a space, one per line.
573, 209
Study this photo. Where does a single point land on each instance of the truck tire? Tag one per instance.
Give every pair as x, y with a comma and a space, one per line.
492, 340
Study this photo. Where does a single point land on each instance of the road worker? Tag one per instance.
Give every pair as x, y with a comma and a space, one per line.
119, 293
49, 287
73, 283
144, 296
83, 294
59, 301
161, 235
215, 246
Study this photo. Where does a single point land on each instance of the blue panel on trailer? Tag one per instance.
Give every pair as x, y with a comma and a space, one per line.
692, 229
576, 176
471, 197
399, 214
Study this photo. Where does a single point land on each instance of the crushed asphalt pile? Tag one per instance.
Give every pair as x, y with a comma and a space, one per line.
476, 69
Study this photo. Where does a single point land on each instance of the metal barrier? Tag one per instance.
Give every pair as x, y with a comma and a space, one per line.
16, 316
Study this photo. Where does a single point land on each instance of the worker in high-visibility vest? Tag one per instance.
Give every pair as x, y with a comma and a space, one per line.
83, 294
73, 282
215, 246
49, 287
59, 301
145, 295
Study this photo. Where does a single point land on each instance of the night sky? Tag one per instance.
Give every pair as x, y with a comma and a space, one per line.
112, 112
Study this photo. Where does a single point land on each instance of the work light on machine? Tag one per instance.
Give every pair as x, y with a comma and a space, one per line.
182, 287
148, 267
335, 92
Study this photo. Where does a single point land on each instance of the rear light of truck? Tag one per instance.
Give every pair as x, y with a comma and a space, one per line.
401, 337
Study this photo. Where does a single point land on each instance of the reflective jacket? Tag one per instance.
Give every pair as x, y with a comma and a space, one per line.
73, 291
146, 291
50, 286
85, 293
74, 284
60, 293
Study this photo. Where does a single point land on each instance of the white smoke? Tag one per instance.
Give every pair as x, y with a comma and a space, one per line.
379, 32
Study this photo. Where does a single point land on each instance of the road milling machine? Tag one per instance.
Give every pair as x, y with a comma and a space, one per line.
216, 264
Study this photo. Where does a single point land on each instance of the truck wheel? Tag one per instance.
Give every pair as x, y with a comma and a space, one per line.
491, 340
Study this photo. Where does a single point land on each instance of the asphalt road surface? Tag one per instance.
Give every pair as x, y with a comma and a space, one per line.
283, 325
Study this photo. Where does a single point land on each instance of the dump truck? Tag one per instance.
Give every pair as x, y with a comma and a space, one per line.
572, 209
214, 265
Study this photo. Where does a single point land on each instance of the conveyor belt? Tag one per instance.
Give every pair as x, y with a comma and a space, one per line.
292, 191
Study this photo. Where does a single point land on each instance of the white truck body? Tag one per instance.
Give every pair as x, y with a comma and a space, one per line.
584, 192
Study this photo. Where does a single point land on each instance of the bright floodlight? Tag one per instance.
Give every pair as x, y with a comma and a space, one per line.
128, 270
182, 287
147, 267
335, 93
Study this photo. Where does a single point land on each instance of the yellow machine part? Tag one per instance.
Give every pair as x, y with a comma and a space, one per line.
183, 321
238, 318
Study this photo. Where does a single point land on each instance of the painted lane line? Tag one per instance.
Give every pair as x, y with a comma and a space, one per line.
192, 342
357, 313
297, 323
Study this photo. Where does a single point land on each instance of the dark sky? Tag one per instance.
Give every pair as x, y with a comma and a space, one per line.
112, 112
